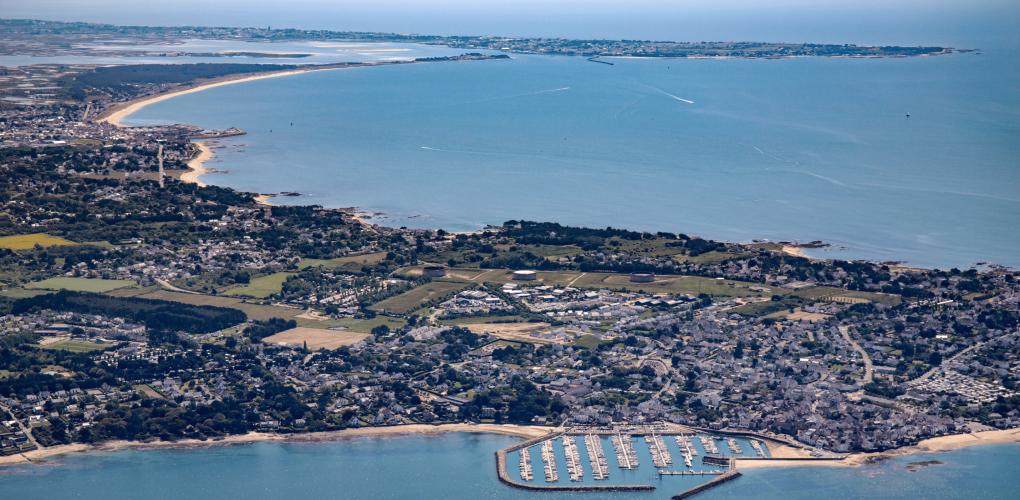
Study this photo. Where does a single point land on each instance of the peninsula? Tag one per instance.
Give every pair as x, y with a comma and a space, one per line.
139, 307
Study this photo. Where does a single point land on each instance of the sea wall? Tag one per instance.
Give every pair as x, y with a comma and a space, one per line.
719, 480
504, 476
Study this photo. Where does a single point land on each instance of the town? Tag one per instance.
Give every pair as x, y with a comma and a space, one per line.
139, 306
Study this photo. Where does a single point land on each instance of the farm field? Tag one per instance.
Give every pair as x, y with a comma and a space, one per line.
261, 288
21, 293
316, 338
366, 325
73, 346
413, 299
80, 284
254, 311
25, 241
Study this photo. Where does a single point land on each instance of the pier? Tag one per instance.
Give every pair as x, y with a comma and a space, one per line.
549, 459
660, 454
625, 454
596, 59
723, 478
757, 448
574, 467
734, 446
716, 472
526, 472
709, 445
597, 457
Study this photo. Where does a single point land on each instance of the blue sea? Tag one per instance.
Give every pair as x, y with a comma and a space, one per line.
462, 466
793, 149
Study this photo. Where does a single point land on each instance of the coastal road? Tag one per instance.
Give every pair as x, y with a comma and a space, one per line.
868, 368
27, 431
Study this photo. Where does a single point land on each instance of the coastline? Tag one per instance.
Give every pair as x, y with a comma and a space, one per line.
195, 164
118, 112
521, 431
939, 444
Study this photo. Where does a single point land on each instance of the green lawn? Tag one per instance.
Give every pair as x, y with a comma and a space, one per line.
588, 342
70, 345
80, 284
261, 288
413, 299
480, 320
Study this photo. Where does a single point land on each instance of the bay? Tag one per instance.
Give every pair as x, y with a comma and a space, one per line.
461, 466
803, 148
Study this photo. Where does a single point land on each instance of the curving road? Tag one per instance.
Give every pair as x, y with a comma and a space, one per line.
868, 368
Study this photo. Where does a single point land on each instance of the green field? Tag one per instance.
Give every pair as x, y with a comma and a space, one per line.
368, 258
412, 300
481, 320
80, 284
26, 241
21, 293
254, 311
261, 288
892, 300
588, 342
366, 325
70, 345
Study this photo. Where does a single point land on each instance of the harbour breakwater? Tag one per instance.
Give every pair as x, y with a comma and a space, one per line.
504, 476
718, 481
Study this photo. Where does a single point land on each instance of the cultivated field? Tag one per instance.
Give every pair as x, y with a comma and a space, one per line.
520, 332
254, 311
413, 299
25, 241
70, 345
80, 284
316, 338
261, 288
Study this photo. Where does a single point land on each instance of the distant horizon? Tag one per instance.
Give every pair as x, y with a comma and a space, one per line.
986, 25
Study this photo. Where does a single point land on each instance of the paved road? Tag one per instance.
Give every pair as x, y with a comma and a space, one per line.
27, 431
868, 368
175, 289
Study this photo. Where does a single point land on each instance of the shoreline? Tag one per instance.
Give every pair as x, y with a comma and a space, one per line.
195, 164
939, 444
40, 455
120, 111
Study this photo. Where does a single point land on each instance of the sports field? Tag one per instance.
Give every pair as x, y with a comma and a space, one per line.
80, 284
73, 346
25, 241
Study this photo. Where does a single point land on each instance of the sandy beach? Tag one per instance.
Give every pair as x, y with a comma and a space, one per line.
797, 252
933, 445
521, 431
118, 112
196, 165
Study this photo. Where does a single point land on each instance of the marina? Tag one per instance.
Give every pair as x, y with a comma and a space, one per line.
526, 473
625, 454
709, 445
597, 457
757, 448
660, 454
734, 446
574, 467
549, 459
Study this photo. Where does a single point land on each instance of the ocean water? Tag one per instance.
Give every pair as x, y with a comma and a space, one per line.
462, 466
805, 148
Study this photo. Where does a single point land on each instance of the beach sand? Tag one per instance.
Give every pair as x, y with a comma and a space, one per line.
526, 432
933, 445
196, 165
118, 112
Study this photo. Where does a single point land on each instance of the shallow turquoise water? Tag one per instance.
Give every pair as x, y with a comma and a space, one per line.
462, 466
812, 148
